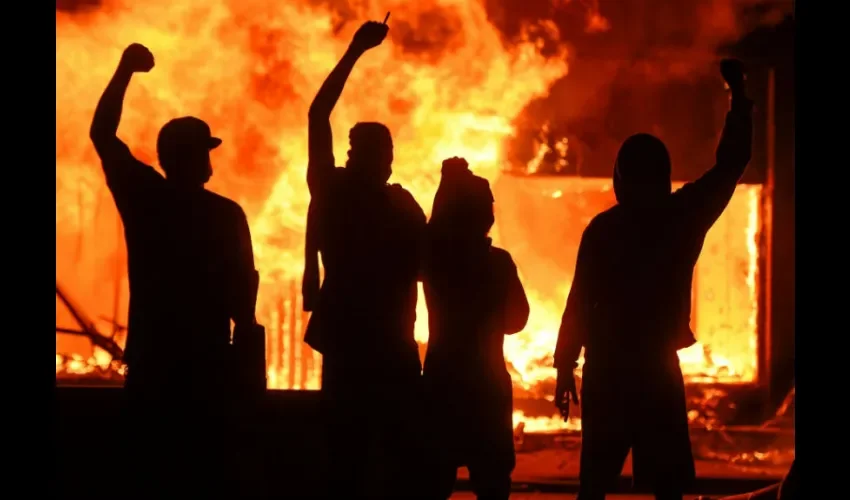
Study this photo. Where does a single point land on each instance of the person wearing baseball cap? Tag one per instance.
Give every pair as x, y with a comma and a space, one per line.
191, 272
183, 147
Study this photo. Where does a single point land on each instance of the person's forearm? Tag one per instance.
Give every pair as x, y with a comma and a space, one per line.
571, 333
735, 147
567, 351
107, 115
331, 89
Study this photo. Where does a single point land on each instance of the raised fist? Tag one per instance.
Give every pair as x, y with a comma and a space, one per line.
370, 35
137, 59
455, 166
733, 72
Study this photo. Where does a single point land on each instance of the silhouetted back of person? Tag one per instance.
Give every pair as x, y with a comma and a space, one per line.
629, 307
369, 236
191, 268
474, 299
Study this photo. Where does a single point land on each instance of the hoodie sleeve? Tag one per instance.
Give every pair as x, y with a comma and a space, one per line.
573, 333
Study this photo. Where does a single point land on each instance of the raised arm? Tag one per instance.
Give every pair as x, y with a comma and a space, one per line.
319, 137
709, 195
114, 154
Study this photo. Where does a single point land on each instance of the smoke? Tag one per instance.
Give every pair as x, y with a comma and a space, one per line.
644, 41
628, 60
642, 29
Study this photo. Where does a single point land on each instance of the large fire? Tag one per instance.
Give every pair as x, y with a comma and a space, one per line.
445, 82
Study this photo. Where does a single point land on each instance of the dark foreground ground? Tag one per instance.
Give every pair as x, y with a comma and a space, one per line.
290, 454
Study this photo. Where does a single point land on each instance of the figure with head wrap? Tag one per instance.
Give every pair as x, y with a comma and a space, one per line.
474, 299
630, 308
369, 236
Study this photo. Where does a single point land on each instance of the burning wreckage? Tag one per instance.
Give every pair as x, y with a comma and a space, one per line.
105, 369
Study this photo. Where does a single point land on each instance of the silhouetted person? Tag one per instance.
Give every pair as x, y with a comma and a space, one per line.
369, 236
191, 270
630, 306
474, 299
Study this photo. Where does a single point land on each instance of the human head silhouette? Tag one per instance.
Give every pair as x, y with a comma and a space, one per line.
463, 203
183, 147
642, 170
370, 154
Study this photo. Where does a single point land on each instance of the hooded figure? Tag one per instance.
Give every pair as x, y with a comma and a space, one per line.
630, 306
474, 299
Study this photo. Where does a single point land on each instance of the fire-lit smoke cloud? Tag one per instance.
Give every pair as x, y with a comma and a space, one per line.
672, 39
628, 61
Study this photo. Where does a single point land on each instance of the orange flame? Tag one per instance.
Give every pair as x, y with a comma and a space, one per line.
250, 68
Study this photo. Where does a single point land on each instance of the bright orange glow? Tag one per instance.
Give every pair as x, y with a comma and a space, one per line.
250, 68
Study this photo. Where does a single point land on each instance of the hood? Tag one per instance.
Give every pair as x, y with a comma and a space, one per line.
642, 170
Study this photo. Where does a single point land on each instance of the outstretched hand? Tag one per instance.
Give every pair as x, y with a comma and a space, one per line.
565, 392
370, 35
137, 59
733, 72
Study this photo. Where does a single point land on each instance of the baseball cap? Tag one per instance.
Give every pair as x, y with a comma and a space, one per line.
186, 132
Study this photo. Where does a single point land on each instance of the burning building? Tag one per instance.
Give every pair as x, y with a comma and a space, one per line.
537, 103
